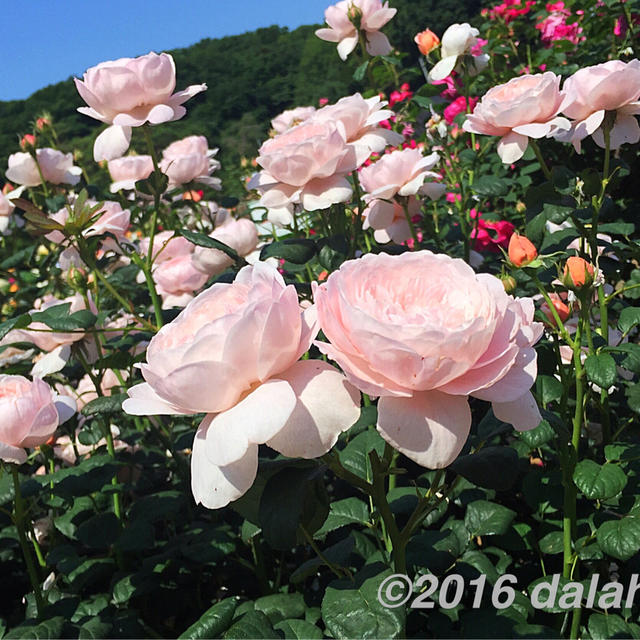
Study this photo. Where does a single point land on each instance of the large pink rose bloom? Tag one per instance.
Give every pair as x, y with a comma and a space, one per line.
190, 159
233, 354
369, 15
129, 92
30, 412
525, 107
126, 171
424, 332
56, 167
399, 173
361, 119
291, 117
592, 91
305, 165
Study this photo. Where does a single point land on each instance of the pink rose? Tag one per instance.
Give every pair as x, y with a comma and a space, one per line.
233, 354
241, 235
6, 208
44, 338
56, 167
361, 121
590, 92
554, 27
423, 332
188, 160
30, 412
399, 173
126, 171
525, 107
368, 15
305, 165
291, 117
458, 106
127, 93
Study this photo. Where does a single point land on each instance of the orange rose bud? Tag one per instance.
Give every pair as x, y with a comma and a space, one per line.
578, 273
42, 123
521, 250
561, 307
427, 41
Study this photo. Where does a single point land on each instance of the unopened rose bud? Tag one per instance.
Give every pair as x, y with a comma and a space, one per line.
28, 142
578, 273
42, 123
8, 187
509, 283
562, 309
427, 41
521, 250
355, 15
196, 196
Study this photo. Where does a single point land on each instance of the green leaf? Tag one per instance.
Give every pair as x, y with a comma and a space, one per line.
351, 609
491, 186
105, 404
549, 388
552, 543
601, 370
295, 250
299, 630
605, 627
487, 518
30, 629
599, 482
358, 74
293, 498
344, 512
99, 531
213, 622
202, 240
355, 456
94, 629
535, 438
19, 322
281, 606
633, 397
333, 252
629, 318
253, 624
491, 467
620, 538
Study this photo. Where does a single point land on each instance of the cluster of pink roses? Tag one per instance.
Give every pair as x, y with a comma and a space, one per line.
421, 331
508, 10
555, 27
529, 107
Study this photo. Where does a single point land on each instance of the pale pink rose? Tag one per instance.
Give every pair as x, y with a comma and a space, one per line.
65, 450
166, 246
56, 167
6, 208
127, 93
458, 41
85, 392
361, 119
369, 15
126, 171
189, 160
241, 235
305, 165
590, 92
394, 226
30, 412
291, 117
46, 339
233, 354
525, 107
424, 332
177, 280
399, 173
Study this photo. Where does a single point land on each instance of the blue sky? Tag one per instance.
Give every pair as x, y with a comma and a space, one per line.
46, 41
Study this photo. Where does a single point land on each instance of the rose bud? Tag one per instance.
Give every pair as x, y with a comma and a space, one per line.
427, 41
562, 309
521, 250
28, 142
578, 273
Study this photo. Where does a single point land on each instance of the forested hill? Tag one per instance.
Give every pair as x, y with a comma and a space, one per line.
251, 78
